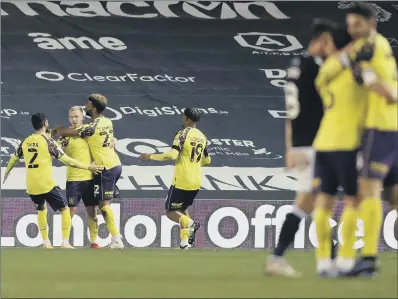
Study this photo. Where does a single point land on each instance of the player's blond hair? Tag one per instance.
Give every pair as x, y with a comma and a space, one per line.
76, 108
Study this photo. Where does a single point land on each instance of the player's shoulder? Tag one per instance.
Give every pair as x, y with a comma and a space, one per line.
103, 119
197, 134
382, 44
50, 141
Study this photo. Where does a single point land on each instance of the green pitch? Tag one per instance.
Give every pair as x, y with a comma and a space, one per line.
34, 273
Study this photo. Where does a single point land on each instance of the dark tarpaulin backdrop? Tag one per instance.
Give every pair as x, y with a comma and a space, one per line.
227, 58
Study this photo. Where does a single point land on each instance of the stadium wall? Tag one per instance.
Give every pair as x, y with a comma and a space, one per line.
242, 224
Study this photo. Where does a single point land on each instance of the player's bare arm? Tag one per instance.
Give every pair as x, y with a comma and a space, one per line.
13, 161
94, 168
66, 132
171, 155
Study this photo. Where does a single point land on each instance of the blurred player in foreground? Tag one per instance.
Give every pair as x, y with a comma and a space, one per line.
99, 135
304, 111
337, 144
189, 149
38, 150
377, 73
79, 184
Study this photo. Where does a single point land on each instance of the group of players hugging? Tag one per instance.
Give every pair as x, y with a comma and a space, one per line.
94, 168
341, 133
341, 101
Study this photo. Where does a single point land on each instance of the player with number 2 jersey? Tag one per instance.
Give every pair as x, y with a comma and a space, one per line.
38, 150
99, 135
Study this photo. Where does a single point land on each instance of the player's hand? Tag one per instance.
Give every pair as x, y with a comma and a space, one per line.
289, 160
5, 177
296, 160
54, 131
113, 143
145, 157
365, 53
94, 168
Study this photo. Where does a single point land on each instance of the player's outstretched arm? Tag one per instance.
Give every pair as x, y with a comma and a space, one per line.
13, 161
66, 132
329, 70
94, 168
171, 155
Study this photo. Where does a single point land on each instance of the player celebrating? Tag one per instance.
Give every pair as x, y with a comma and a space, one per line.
190, 152
99, 134
336, 143
79, 184
304, 111
38, 150
379, 145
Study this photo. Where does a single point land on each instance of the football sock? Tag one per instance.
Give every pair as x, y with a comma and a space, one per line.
184, 235
66, 225
93, 227
42, 220
349, 217
372, 216
185, 222
110, 220
323, 232
288, 231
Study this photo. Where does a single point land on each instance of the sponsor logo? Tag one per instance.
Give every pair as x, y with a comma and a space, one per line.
145, 178
125, 78
225, 227
46, 42
217, 147
250, 10
119, 113
8, 113
270, 43
382, 14
393, 42
275, 76
239, 148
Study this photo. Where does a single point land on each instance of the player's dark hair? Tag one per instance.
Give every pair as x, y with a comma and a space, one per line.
321, 26
192, 114
365, 10
99, 102
38, 120
341, 38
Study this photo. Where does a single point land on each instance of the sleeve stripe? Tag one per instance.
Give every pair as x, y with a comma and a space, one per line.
176, 148
183, 137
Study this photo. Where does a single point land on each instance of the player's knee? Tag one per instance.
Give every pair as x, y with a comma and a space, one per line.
103, 203
369, 187
325, 201
306, 202
351, 201
91, 212
72, 211
41, 207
